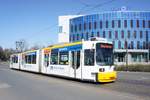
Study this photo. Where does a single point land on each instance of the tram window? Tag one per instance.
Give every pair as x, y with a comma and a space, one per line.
72, 58
10, 59
46, 59
30, 59
63, 58
15, 59
54, 57
26, 59
89, 57
78, 59
33, 59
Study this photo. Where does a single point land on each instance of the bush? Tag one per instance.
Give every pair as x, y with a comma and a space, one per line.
134, 68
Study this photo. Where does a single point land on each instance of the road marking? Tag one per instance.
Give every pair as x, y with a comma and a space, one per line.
143, 78
3, 69
4, 85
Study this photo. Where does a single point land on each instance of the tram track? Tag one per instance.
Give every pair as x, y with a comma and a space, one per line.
129, 86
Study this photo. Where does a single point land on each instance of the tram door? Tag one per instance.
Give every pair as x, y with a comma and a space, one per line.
75, 55
19, 60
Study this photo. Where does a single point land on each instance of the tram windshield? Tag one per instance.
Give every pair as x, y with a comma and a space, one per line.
104, 54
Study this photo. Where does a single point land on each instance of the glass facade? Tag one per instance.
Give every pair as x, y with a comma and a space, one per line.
127, 29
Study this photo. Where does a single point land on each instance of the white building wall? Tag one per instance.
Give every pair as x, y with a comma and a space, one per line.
63, 31
63, 37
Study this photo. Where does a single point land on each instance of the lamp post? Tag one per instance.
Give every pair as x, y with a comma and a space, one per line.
126, 45
19, 46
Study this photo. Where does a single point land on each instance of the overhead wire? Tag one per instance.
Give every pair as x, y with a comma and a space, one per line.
97, 6
78, 13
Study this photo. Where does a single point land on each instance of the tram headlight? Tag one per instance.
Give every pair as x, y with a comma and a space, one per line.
101, 69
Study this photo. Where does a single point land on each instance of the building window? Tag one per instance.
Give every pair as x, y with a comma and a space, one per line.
73, 38
119, 23
101, 25
119, 44
75, 28
128, 34
92, 34
149, 45
79, 27
147, 39
149, 24
110, 34
113, 44
106, 24
141, 34
98, 34
95, 25
113, 24
82, 36
134, 34
87, 36
70, 38
116, 34
132, 45
144, 45
122, 34
125, 44
138, 44
143, 23
84, 26
146, 35
77, 36
103, 34
131, 23
125, 23
71, 28
137, 23
90, 25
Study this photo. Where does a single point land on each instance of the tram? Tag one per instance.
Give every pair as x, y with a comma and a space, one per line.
86, 60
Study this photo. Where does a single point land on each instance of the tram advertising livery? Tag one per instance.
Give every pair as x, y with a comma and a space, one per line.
86, 60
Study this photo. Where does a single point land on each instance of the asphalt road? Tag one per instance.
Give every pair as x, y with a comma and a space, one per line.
18, 85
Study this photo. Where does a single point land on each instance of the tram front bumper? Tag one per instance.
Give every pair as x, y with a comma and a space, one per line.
106, 76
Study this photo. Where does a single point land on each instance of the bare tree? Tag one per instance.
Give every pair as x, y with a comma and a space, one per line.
5, 54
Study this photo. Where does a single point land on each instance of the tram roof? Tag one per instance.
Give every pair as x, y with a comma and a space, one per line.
65, 45
29, 51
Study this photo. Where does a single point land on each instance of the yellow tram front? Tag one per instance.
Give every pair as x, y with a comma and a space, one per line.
104, 60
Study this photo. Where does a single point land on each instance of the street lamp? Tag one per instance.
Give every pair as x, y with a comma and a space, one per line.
126, 44
19, 46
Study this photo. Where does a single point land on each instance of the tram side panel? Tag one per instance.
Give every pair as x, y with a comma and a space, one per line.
59, 63
88, 61
30, 61
15, 61
65, 61
45, 60
75, 67
98, 60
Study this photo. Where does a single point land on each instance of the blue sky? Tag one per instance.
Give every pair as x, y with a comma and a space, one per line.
36, 20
